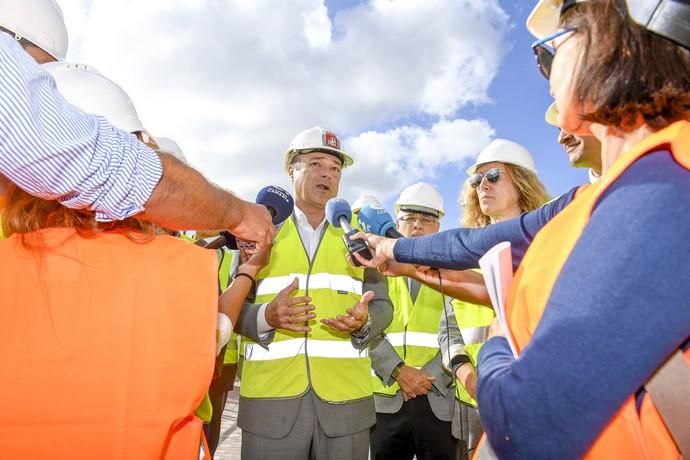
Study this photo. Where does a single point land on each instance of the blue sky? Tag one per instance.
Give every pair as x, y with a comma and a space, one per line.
519, 97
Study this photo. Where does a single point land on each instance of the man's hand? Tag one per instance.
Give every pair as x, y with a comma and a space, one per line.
381, 249
467, 376
356, 318
414, 382
284, 313
254, 225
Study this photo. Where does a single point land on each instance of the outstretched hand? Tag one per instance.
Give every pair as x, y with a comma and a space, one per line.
356, 318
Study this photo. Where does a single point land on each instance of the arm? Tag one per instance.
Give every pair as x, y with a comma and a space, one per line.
51, 149
618, 309
380, 313
232, 299
455, 359
461, 248
384, 359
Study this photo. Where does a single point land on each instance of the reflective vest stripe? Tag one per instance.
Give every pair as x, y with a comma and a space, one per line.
472, 335
413, 338
293, 347
344, 283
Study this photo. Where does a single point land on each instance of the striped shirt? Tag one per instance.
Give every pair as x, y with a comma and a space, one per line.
54, 151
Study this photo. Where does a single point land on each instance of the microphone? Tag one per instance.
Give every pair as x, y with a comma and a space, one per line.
374, 219
279, 204
338, 214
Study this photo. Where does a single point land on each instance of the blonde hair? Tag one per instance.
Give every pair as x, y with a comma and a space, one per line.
25, 214
532, 194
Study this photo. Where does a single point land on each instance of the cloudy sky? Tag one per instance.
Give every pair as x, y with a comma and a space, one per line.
415, 88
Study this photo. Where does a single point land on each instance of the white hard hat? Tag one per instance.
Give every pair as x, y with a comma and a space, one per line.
38, 21
170, 146
366, 200
86, 88
504, 151
318, 139
420, 197
551, 115
543, 20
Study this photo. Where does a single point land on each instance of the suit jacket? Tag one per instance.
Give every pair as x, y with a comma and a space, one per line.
274, 418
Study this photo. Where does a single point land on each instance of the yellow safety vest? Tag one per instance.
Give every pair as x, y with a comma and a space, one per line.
413, 332
227, 257
322, 359
473, 321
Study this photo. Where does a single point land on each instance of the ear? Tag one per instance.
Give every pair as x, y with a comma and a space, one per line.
291, 172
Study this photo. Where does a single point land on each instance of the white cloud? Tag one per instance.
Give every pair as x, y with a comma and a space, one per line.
232, 81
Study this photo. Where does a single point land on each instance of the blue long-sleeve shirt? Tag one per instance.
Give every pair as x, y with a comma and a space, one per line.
461, 248
620, 306
52, 150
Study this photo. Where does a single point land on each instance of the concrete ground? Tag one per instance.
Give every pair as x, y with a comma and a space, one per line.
230, 434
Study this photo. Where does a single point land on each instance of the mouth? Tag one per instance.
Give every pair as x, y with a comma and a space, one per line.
322, 187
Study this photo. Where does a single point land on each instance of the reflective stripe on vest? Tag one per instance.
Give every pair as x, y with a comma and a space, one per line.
629, 434
413, 332
413, 338
473, 321
343, 283
294, 347
325, 359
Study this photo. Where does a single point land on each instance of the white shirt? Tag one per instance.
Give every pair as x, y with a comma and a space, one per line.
310, 237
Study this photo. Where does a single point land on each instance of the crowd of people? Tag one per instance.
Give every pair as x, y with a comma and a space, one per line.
122, 337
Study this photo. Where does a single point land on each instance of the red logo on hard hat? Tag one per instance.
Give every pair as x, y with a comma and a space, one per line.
331, 140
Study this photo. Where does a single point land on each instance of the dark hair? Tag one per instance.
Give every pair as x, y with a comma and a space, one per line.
627, 73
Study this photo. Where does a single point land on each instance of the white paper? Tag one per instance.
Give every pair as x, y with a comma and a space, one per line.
497, 268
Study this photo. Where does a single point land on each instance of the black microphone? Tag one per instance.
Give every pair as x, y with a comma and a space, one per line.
376, 220
279, 204
338, 214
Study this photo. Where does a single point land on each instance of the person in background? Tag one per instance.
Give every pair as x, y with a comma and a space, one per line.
584, 151
503, 183
414, 402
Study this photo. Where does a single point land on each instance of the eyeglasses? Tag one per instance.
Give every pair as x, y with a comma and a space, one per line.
424, 220
545, 53
492, 175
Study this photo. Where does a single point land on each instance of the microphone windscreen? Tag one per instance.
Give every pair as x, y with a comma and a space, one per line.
337, 208
278, 201
375, 220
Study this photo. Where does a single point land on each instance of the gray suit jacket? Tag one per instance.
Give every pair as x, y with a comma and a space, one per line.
384, 359
274, 418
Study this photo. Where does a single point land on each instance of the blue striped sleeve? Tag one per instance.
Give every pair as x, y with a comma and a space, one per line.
52, 150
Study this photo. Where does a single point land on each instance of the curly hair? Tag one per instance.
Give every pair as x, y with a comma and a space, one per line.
532, 194
25, 214
627, 74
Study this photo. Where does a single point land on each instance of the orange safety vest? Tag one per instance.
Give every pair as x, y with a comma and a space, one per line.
107, 346
628, 435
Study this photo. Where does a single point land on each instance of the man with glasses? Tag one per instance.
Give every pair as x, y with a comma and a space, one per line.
414, 403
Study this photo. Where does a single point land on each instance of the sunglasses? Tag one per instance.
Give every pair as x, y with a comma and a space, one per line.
545, 53
492, 175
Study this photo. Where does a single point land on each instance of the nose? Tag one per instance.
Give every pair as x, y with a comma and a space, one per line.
563, 137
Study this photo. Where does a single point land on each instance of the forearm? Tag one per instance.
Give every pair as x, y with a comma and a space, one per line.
231, 301
465, 285
384, 359
184, 199
461, 248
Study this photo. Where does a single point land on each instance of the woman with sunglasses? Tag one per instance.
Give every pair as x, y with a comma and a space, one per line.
599, 304
503, 183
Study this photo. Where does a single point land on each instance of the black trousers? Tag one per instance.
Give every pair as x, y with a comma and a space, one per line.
413, 430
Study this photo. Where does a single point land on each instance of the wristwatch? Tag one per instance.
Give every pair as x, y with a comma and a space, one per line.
396, 370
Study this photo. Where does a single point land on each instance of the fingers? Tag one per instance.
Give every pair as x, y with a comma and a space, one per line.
366, 298
341, 323
290, 288
292, 301
365, 262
